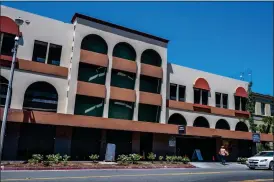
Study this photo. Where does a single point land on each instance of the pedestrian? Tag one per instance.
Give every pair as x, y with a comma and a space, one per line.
222, 154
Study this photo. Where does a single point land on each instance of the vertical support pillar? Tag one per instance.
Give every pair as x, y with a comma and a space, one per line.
62, 143
136, 142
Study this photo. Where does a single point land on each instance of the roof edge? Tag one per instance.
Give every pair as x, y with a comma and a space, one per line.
78, 15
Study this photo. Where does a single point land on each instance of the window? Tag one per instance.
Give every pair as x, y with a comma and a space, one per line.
182, 90
218, 99
54, 54
6, 44
201, 96
240, 103
39, 51
177, 92
225, 101
221, 100
44, 52
173, 92
197, 96
262, 108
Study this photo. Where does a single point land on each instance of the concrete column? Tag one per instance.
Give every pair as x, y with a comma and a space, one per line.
136, 142
11, 141
62, 143
164, 89
73, 73
137, 86
108, 81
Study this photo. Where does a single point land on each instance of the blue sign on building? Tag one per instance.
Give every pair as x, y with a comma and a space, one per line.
256, 137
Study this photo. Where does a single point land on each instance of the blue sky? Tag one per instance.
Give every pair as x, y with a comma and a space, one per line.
224, 38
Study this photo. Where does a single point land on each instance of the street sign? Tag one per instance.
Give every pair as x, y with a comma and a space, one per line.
182, 129
172, 141
197, 155
256, 137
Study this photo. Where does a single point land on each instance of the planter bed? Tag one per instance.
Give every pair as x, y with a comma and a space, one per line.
90, 165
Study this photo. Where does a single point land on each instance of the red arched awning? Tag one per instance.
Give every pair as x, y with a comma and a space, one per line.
7, 25
201, 83
241, 92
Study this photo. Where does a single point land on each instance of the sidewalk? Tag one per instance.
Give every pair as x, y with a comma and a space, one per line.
218, 165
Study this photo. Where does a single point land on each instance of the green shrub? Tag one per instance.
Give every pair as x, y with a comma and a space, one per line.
241, 160
65, 159
94, 157
161, 158
35, 159
135, 158
185, 159
124, 159
178, 158
52, 159
151, 156
171, 159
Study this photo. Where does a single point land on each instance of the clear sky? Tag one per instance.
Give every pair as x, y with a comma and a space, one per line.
224, 38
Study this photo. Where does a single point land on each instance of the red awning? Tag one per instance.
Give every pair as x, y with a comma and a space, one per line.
7, 25
201, 83
241, 92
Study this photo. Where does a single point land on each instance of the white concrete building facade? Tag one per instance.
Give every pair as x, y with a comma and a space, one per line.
91, 82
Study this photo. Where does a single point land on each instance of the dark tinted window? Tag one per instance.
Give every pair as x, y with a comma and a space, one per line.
218, 99
54, 54
173, 91
182, 90
225, 100
237, 103
243, 100
39, 51
262, 108
197, 96
204, 97
7, 44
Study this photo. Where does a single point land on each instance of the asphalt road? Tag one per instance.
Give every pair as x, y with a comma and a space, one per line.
151, 175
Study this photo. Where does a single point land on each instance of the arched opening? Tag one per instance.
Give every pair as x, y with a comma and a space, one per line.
3, 90
201, 122
222, 124
125, 51
121, 109
94, 43
177, 119
241, 126
151, 57
41, 96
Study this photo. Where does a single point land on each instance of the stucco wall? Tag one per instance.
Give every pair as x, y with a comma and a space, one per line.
22, 80
212, 119
84, 28
187, 77
42, 29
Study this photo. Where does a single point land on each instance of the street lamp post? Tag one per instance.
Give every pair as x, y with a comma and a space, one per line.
19, 22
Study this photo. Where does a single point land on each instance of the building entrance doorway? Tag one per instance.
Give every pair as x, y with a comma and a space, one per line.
187, 145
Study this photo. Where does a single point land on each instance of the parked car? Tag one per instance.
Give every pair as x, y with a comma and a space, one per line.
262, 160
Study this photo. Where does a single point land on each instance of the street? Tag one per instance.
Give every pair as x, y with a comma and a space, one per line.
148, 175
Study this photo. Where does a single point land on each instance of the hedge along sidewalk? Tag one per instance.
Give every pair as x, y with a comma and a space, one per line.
73, 165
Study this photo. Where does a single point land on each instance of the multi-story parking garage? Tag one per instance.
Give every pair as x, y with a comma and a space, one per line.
80, 85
